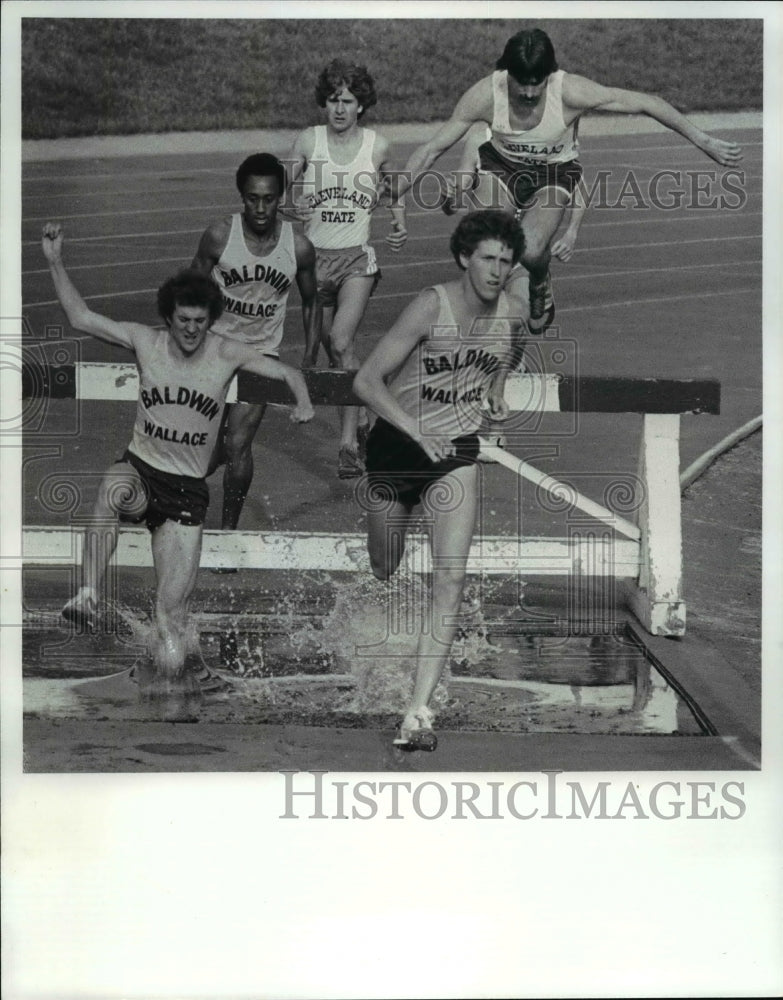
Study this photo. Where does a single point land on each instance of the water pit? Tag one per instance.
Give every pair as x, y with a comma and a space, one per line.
349, 661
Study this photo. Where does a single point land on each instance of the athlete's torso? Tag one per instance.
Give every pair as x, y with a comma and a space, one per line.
444, 381
180, 405
341, 195
255, 288
551, 141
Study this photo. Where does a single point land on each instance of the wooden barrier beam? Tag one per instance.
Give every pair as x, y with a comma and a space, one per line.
596, 555
652, 557
527, 391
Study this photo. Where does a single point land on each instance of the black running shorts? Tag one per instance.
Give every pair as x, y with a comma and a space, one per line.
169, 497
522, 182
399, 469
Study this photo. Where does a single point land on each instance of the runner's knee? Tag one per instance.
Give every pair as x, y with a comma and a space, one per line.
382, 563
341, 343
380, 569
536, 255
237, 442
385, 556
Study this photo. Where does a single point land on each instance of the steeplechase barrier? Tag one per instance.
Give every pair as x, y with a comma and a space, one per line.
648, 557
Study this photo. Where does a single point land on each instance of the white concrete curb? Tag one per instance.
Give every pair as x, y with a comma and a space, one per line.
703, 462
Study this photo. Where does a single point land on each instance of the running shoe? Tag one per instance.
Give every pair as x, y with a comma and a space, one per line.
348, 464
416, 732
542, 306
82, 610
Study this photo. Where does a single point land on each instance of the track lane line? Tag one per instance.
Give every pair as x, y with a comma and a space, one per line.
409, 263
437, 237
449, 260
394, 146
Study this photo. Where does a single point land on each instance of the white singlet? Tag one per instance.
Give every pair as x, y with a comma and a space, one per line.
179, 407
341, 194
551, 141
255, 289
444, 381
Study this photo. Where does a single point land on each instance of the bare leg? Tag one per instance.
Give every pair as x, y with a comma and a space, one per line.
169, 677
452, 534
176, 550
489, 193
540, 223
121, 492
241, 425
327, 318
386, 531
352, 301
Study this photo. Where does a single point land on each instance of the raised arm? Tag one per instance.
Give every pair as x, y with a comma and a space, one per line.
80, 316
475, 105
465, 176
411, 328
581, 94
306, 283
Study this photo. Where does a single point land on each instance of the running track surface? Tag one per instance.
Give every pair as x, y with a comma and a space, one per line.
649, 292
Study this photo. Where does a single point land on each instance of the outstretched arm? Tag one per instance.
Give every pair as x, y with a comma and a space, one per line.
474, 105
250, 360
465, 177
80, 316
306, 283
581, 94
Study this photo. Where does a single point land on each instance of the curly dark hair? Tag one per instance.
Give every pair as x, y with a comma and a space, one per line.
339, 74
190, 288
488, 225
261, 165
529, 56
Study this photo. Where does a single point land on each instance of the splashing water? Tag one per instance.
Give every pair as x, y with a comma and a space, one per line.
139, 630
371, 634
358, 629
374, 630
129, 625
